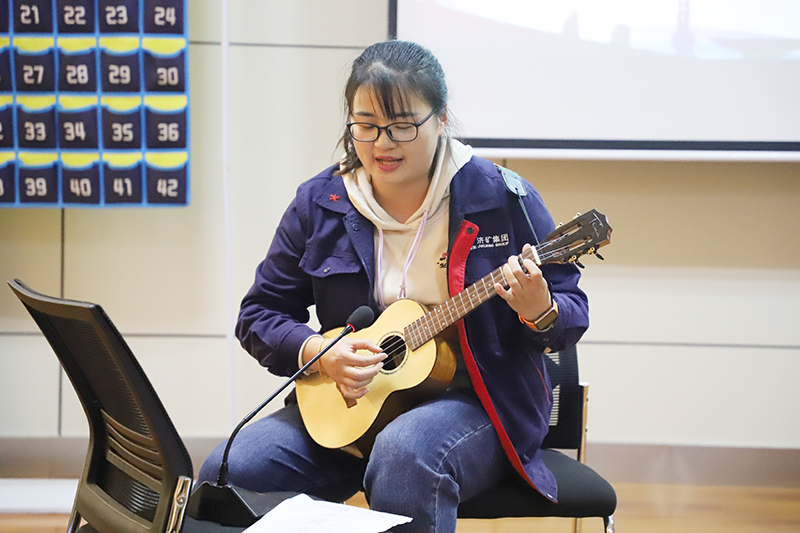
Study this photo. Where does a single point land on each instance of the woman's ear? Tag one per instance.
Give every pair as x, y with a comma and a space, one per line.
442, 121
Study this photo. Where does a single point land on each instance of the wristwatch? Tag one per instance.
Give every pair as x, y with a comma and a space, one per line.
544, 321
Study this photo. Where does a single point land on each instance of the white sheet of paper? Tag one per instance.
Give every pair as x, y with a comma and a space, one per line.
301, 514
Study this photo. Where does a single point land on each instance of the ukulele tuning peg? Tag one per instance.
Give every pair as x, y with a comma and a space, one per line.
600, 257
574, 259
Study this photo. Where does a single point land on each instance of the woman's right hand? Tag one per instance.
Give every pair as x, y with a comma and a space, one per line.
350, 370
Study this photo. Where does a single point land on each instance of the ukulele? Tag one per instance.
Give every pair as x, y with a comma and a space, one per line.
419, 363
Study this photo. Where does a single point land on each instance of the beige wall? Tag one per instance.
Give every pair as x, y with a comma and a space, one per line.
694, 338
161, 274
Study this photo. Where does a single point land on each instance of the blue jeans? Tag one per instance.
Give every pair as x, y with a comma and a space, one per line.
423, 463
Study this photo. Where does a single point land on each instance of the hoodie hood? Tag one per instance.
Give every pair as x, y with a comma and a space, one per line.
451, 157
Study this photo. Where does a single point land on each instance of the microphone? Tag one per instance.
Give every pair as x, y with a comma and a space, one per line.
228, 505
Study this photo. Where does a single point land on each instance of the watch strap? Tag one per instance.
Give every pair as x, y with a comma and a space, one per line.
544, 321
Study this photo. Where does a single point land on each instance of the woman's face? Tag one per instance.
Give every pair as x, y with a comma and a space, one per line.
390, 162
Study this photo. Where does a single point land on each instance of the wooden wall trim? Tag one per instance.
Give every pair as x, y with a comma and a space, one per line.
63, 457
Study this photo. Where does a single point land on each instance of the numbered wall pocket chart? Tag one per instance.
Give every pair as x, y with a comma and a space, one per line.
94, 103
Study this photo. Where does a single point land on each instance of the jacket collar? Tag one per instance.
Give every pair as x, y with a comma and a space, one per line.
333, 195
474, 188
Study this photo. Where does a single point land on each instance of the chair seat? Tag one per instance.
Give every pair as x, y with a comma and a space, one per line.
581, 493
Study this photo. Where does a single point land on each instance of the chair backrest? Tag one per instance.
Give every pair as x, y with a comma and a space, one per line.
137, 473
566, 420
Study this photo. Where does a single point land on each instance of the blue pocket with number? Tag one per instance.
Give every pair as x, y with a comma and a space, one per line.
5, 64
165, 121
167, 177
122, 122
164, 64
164, 16
8, 169
6, 121
38, 177
119, 64
77, 119
34, 64
80, 178
118, 16
36, 121
77, 71
122, 177
76, 16
32, 16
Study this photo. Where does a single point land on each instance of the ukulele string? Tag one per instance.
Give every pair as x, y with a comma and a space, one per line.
394, 350
396, 347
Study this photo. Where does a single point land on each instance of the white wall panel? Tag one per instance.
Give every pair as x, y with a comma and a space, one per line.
292, 22
309, 22
254, 385
683, 356
286, 119
30, 249
688, 395
188, 375
162, 278
161, 270
204, 20
28, 387
692, 305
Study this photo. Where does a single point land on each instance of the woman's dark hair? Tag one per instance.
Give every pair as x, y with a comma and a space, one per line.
394, 70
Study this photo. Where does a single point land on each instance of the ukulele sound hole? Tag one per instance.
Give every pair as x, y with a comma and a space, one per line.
395, 349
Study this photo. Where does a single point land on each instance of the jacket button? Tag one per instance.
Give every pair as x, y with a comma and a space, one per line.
356, 226
327, 269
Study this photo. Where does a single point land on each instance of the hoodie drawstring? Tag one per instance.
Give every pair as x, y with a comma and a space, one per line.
411, 254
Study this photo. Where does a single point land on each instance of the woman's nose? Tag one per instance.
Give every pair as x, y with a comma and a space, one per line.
383, 138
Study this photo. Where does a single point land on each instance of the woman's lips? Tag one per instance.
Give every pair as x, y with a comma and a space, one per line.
388, 163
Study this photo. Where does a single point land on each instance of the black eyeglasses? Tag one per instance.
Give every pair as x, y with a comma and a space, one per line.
401, 132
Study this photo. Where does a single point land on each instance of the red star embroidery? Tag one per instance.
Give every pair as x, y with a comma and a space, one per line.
335, 197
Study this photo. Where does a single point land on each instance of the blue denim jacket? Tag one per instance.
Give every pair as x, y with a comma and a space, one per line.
323, 255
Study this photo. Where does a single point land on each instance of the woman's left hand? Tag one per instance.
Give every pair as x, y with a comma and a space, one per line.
527, 292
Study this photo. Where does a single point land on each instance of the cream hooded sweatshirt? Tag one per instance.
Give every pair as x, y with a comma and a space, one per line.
411, 256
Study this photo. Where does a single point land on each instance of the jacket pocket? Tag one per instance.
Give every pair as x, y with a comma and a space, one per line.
321, 263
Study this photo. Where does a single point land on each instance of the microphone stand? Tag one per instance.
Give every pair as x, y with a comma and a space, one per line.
228, 505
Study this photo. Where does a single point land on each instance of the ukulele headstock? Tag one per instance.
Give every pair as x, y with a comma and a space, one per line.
583, 235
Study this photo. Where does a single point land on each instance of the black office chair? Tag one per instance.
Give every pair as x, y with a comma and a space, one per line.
137, 474
582, 493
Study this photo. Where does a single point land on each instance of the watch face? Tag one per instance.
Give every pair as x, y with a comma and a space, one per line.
547, 320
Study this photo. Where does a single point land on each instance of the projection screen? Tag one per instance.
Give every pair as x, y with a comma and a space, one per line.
617, 78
